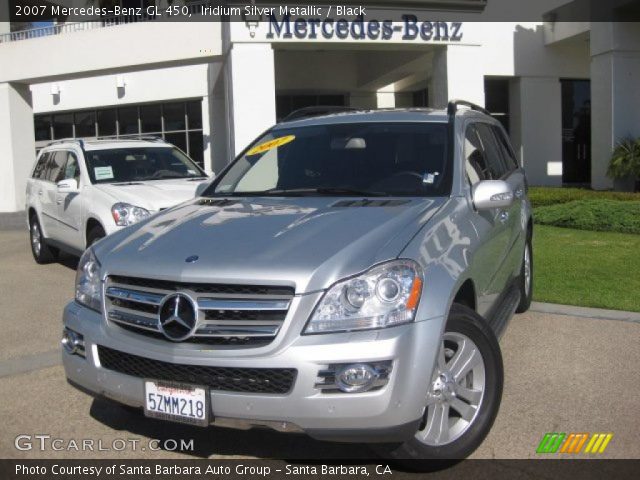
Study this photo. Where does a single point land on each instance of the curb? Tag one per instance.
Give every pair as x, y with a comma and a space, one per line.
13, 221
585, 312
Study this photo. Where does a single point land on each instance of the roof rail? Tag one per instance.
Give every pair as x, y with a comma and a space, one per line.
452, 108
132, 136
309, 112
79, 141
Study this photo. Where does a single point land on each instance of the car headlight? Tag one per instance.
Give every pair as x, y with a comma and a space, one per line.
88, 281
126, 214
385, 296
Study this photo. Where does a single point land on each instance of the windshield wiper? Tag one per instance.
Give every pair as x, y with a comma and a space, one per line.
301, 192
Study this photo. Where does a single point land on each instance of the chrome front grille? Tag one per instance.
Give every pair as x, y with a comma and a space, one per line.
234, 315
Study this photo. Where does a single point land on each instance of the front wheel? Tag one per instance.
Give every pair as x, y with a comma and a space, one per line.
463, 398
526, 278
42, 252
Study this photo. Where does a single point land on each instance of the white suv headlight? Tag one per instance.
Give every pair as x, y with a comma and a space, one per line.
126, 214
385, 296
88, 281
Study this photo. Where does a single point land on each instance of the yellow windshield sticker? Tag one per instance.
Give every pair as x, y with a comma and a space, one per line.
271, 144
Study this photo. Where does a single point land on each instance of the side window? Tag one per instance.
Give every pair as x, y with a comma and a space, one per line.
41, 166
475, 163
71, 168
55, 168
507, 152
492, 151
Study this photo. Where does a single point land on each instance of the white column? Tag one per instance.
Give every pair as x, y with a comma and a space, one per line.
250, 92
457, 71
206, 135
615, 96
17, 145
536, 128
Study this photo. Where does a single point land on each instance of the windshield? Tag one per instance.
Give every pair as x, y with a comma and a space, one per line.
139, 164
370, 159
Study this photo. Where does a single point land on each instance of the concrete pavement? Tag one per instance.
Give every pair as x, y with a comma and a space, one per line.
563, 373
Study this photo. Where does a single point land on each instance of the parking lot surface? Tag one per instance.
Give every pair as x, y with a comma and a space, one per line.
562, 374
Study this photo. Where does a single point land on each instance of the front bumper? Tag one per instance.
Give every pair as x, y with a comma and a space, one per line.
389, 414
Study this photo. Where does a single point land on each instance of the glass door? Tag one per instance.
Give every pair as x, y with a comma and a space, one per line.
576, 132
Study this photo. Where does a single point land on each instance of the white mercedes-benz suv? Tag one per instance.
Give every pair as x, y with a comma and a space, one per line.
80, 191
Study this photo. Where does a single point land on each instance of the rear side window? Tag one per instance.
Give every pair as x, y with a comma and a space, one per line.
492, 152
507, 152
41, 166
55, 168
475, 162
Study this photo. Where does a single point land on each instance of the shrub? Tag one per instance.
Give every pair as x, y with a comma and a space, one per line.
625, 159
599, 215
543, 196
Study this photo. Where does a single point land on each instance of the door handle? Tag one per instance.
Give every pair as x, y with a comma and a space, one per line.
519, 192
59, 201
40, 193
504, 216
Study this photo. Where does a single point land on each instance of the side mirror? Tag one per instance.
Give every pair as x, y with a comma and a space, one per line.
489, 194
70, 185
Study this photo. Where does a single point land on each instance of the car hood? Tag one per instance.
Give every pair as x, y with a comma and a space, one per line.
308, 243
153, 195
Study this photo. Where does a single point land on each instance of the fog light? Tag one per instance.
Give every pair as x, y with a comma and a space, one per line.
72, 342
356, 378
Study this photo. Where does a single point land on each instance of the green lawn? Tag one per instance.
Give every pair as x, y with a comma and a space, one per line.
591, 269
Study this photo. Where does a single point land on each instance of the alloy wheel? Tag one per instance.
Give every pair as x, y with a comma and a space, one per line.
456, 391
36, 239
527, 269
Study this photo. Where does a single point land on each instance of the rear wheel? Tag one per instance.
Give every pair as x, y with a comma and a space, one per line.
526, 278
42, 252
463, 397
95, 234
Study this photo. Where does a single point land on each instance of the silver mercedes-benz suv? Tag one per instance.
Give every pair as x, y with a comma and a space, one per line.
347, 276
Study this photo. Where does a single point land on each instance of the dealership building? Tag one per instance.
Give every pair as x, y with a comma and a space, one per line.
565, 91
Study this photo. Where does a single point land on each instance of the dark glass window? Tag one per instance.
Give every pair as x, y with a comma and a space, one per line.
107, 122
41, 166
42, 126
182, 124
71, 168
85, 124
492, 151
55, 167
496, 94
174, 118
196, 147
151, 118
194, 112
178, 139
63, 125
475, 161
128, 121
508, 154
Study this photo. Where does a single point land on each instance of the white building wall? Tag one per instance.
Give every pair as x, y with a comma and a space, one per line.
16, 152
149, 85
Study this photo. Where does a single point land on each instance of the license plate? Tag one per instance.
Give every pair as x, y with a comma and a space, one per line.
176, 402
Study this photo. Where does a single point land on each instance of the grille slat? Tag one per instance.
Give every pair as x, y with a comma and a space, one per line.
240, 316
277, 381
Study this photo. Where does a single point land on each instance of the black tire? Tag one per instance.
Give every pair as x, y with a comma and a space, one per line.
95, 234
417, 455
526, 290
41, 251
